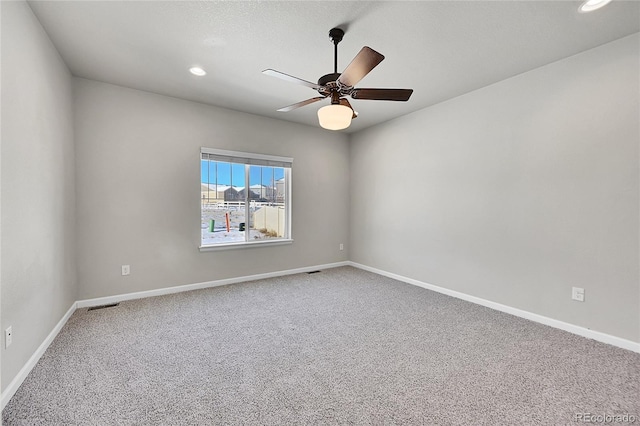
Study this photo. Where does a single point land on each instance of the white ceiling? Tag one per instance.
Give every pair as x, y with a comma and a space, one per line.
441, 49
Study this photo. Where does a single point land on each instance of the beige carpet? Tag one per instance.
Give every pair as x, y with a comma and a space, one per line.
342, 346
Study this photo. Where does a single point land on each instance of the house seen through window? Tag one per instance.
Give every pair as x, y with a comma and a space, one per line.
245, 198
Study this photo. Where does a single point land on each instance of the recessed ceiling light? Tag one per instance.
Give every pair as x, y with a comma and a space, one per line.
197, 71
591, 5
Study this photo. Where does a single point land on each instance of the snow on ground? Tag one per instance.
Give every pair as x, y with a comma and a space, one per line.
220, 234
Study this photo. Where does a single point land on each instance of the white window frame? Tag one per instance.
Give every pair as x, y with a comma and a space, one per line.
246, 158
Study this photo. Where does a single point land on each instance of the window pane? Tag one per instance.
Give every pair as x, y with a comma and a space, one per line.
223, 203
267, 202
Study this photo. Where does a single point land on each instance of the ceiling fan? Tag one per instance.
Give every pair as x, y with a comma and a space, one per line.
337, 86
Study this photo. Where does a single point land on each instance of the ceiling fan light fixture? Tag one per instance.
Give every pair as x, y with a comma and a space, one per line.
335, 117
591, 5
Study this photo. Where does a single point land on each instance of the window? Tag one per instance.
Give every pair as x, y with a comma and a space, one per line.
245, 198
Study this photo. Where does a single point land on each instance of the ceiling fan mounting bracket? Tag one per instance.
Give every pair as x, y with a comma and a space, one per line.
336, 34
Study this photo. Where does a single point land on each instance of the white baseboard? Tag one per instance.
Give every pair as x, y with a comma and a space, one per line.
26, 369
571, 328
581, 331
188, 287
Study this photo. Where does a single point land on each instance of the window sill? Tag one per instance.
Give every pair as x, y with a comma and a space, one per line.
232, 246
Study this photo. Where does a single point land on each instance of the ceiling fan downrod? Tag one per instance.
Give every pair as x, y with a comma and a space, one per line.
335, 34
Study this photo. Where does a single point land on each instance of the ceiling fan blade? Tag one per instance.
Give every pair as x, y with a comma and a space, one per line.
345, 102
366, 60
382, 94
301, 104
290, 78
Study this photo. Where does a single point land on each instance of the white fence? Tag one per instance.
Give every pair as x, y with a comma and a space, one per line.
237, 205
270, 218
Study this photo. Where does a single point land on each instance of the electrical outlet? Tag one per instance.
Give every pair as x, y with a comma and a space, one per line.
577, 293
126, 269
8, 337
341, 246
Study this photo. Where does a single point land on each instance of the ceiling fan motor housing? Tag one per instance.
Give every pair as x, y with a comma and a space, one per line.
327, 79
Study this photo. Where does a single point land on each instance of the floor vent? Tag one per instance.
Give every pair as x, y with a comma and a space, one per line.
110, 305
313, 272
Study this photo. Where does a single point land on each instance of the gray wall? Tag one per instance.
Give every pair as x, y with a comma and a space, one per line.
38, 193
138, 188
515, 192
